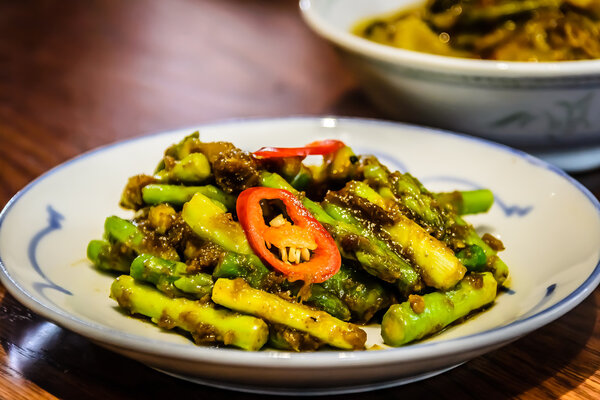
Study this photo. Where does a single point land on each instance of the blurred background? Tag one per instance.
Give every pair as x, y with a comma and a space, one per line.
75, 75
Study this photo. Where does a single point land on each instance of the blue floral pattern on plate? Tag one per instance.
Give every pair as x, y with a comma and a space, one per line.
54, 224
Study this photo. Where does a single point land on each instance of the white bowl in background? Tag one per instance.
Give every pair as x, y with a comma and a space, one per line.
547, 107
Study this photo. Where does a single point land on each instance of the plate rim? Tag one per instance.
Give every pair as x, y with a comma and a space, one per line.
276, 359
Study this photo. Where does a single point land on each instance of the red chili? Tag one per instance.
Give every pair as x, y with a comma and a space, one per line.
325, 259
320, 147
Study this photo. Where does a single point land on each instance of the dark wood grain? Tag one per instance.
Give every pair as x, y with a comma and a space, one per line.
75, 75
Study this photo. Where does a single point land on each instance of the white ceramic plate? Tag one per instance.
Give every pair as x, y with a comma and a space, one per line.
549, 223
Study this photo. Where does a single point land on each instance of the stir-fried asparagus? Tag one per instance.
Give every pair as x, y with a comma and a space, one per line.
329, 302
473, 258
245, 266
362, 294
206, 323
124, 241
493, 263
420, 316
211, 222
467, 202
411, 196
109, 257
398, 242
238, 295
177, 195
438, 265
122, 231
254, 272
171, 277
193, 169
285, 338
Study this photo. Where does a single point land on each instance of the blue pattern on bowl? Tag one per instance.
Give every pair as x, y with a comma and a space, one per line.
542, 303
54, 218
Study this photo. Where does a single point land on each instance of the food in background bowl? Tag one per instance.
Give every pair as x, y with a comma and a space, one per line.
541, 107
510, 30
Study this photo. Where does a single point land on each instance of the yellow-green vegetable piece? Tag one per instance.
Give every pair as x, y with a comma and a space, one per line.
203, 320
421, 316
193, 169
212, 223
438, 265
238, 295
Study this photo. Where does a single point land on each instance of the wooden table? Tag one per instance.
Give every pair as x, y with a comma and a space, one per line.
75, 75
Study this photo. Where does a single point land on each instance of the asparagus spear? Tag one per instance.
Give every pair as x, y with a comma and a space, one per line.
468, 201
493, 263
124, 242
189, 144
177, 195
473, 258
171, 277
465, 231
109, 257
194, 168
327, 301
245, 266
285, 338
125, 233
301, 179
210, 222
238, 295
424, 315
338, 166
412, 197
291, 169
438, 265
204, 321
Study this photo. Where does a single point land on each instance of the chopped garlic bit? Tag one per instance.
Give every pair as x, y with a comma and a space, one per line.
305, 253
283, 254
292, 254
278, 221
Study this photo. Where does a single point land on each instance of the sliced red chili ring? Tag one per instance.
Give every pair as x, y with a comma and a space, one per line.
320, 147
325, 259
